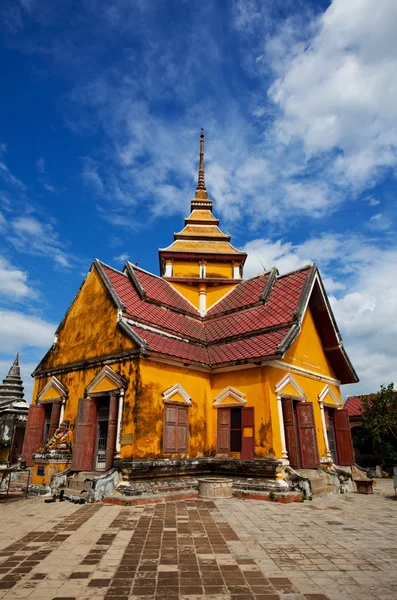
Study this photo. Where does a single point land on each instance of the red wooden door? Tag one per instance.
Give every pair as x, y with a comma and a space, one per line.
223, 438
343, 436
307, 435
291, 438
34, 432
112, 430
85, 435
247, 434
55, 415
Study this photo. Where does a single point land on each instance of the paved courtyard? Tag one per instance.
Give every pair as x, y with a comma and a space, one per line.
337, 548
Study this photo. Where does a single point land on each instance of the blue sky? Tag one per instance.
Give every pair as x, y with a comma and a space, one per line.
101, 106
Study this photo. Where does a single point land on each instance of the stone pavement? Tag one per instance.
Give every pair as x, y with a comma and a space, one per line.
336, 548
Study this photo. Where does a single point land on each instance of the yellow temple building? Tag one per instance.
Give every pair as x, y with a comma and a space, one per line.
197, 368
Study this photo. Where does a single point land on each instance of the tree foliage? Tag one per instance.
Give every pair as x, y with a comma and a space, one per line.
379, 422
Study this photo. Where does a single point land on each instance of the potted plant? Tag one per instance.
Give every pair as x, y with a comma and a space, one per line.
5, 445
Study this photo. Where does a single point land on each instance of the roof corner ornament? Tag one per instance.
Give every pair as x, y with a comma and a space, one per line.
201, 181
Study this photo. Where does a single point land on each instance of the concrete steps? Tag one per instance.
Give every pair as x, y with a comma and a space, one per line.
319, 482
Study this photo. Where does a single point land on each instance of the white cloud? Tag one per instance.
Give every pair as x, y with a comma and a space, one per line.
13, 282
18, 330
339, 93
122, 258
38, 238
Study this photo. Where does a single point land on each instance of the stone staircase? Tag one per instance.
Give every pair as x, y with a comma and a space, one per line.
78, 484
320, 483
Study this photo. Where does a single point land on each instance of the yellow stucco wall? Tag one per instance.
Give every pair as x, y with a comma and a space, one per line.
89, 330
186, 268
215, 293
219, 269
307, 350
190, 292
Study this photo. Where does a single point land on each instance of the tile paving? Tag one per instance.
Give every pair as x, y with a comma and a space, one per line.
337, 547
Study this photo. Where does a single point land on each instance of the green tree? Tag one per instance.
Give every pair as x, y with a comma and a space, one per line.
379, 422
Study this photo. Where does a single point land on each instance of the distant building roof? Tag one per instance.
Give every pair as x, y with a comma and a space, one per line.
354, 406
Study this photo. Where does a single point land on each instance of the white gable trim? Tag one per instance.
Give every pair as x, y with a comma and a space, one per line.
229, 391
110, 374
53, 382
328, 391
289, 380
177, 389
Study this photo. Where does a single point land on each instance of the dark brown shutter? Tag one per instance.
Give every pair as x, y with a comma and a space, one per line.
223, 445
112, 430
170, 429
182, 430
343, 438
55, 415
307, 435
33, 433
247, 439
85, 435
291, 440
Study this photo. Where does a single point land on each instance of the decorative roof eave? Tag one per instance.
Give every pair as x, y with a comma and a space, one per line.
314, 279
273, 274
129, 269
127, 329
199, 254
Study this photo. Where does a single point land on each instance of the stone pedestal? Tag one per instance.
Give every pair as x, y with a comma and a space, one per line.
46, 465
215, 487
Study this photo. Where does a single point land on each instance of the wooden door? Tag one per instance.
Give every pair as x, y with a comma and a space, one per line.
223, 438
55, 416
33, 433
85, 435
176, 429
343, 436
247, 439
290, 429
307, 436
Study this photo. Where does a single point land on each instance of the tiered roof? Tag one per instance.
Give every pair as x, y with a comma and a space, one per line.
258, 320
11, 390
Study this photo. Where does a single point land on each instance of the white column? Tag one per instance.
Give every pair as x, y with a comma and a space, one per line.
202, 300
325, 430
62, 410
284, 453
119, 422
168, 269
236, 271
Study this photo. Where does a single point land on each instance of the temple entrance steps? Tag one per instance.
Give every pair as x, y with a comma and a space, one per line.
79, 484
320, 482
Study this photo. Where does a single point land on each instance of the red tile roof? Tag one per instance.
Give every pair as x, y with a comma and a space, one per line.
353, 406
251, 322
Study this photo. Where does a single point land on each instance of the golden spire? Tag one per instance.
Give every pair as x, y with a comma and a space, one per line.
201, 182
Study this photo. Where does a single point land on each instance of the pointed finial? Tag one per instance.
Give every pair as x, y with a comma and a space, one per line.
16, 361
201, 182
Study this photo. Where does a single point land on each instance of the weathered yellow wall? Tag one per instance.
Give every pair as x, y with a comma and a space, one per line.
51, 394
146, 425
219, 269
307, 351
89, 330
186, 269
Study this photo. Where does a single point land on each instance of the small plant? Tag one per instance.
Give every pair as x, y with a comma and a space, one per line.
5, 443
272, 495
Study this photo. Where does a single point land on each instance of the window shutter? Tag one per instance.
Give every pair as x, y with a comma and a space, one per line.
291, 439
223, 430
343, 438
33, 433
247, 440
183, 430
170, 429
85, 435
307, 435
